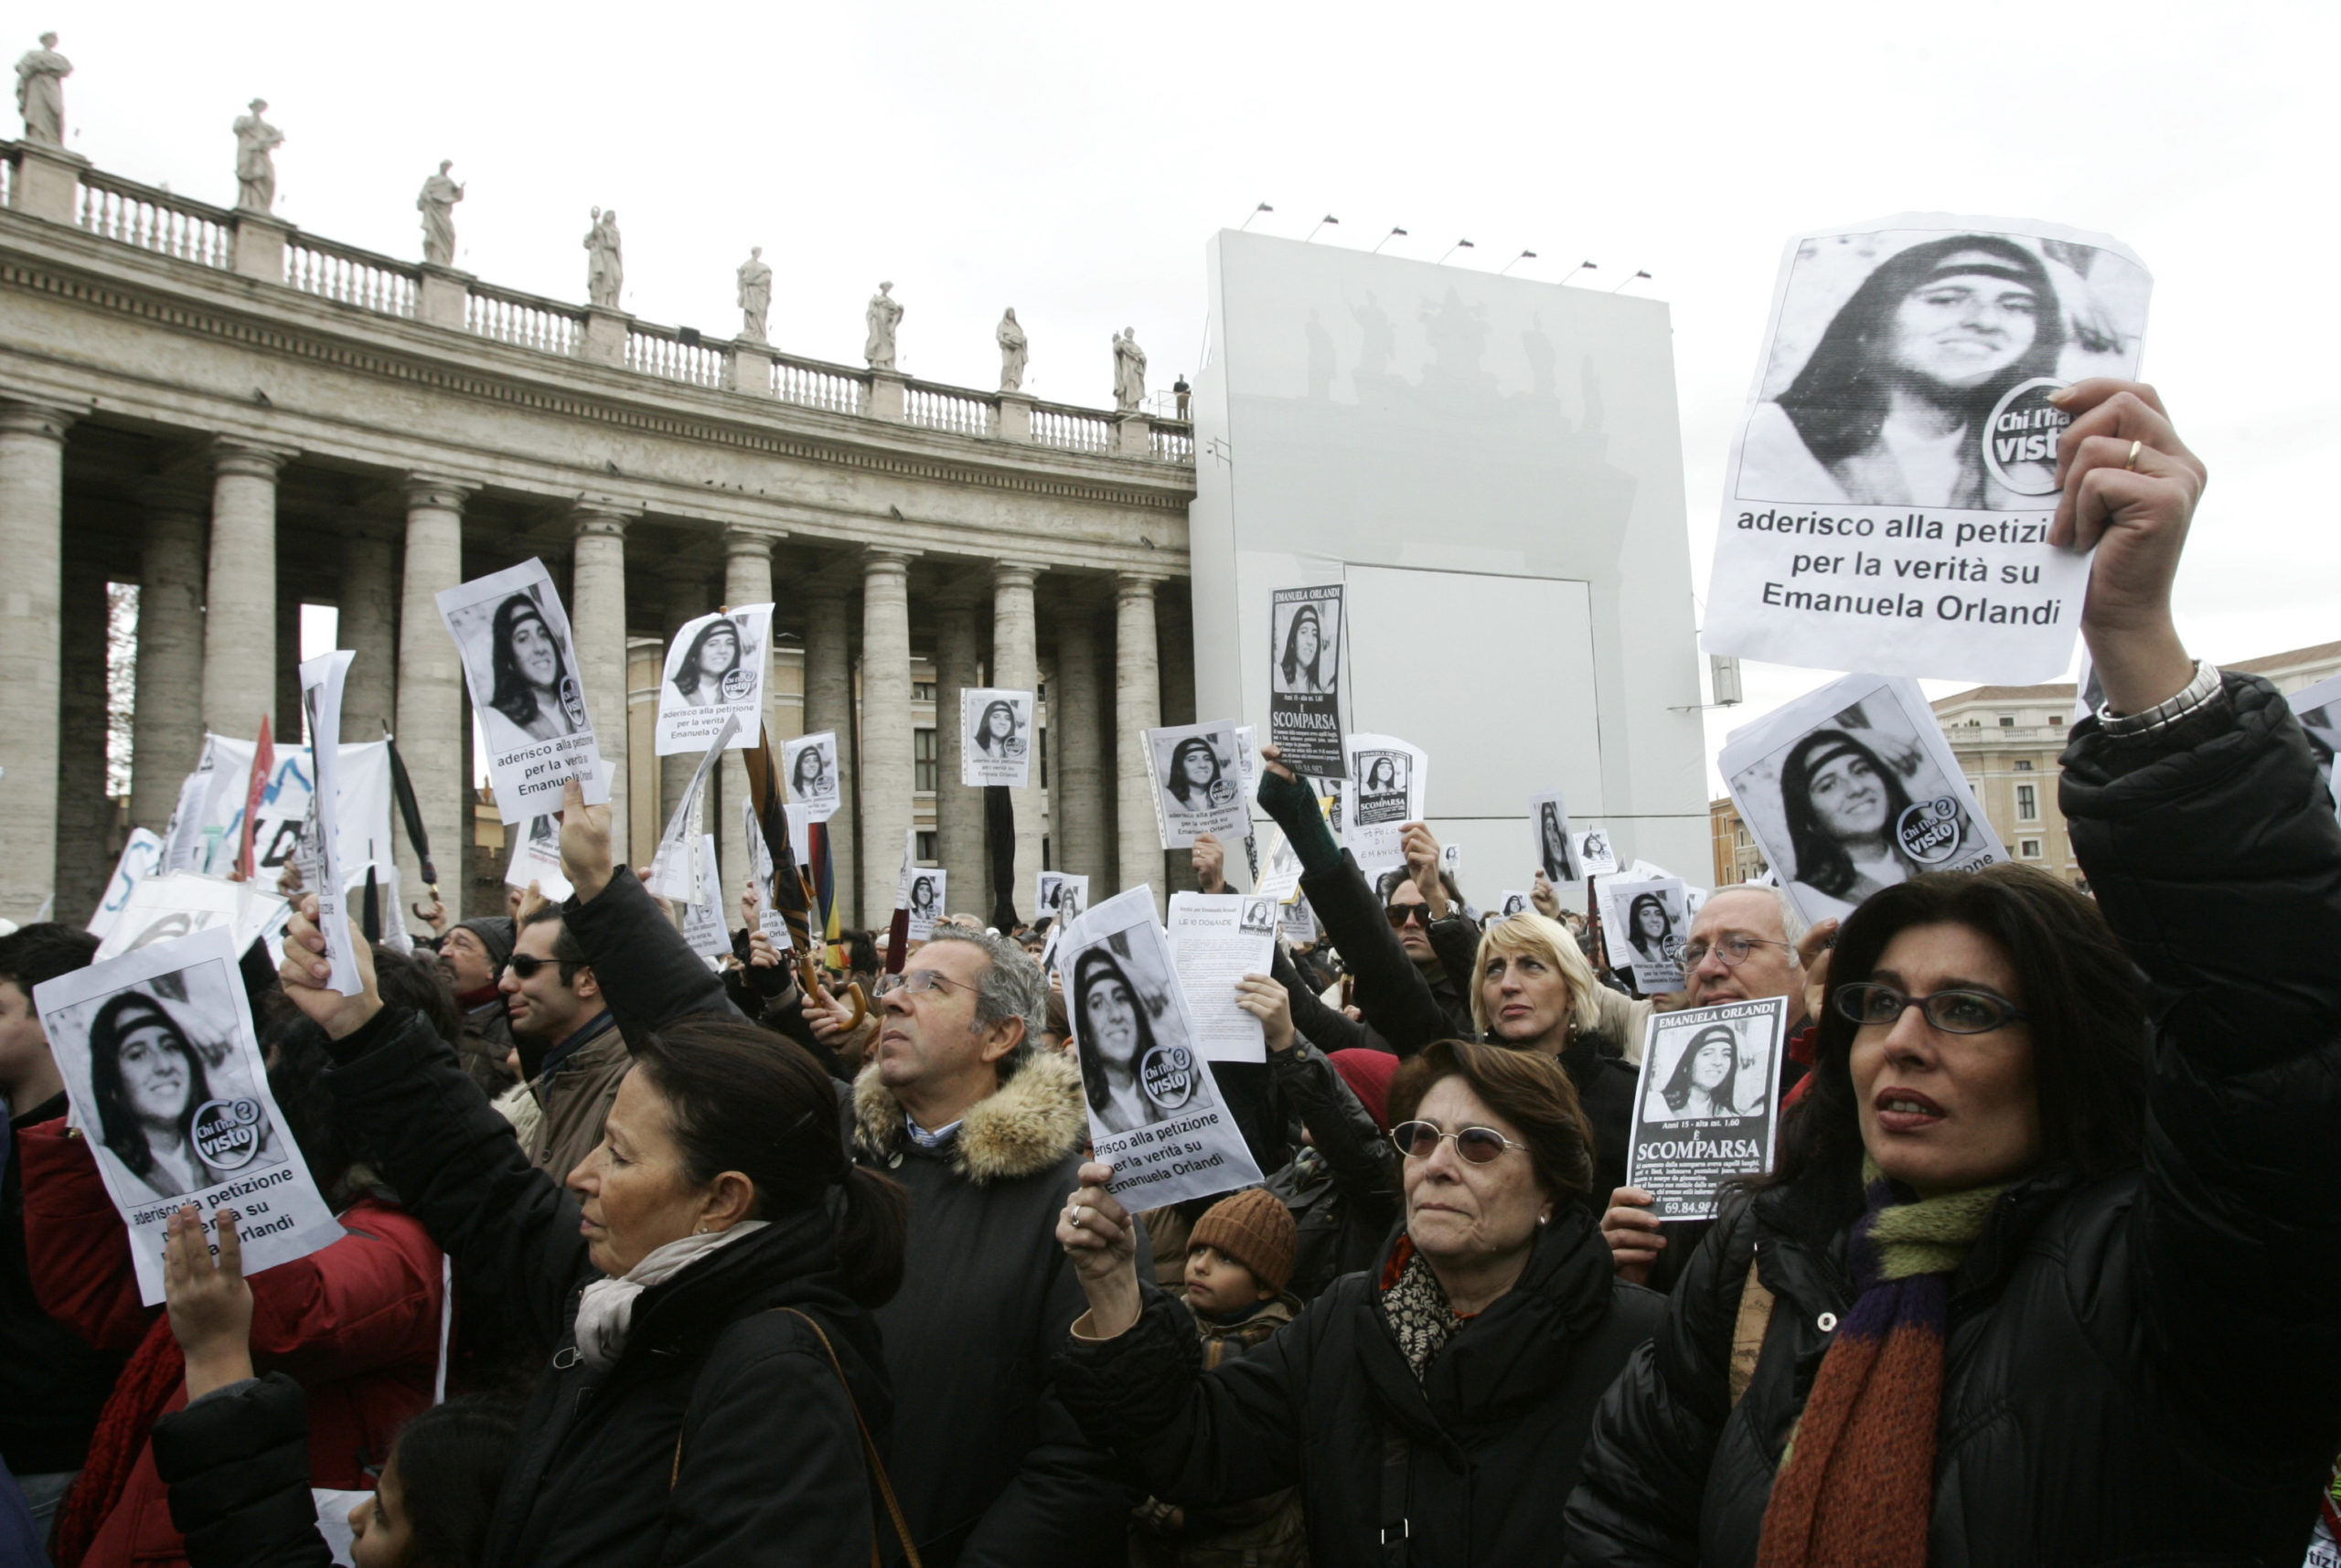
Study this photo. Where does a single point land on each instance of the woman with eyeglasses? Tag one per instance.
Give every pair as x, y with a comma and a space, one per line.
2042, 1273
1438, 1399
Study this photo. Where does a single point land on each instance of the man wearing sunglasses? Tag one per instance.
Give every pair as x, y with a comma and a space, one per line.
572, 1055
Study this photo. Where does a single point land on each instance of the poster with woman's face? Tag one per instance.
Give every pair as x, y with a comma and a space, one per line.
715, 669
1646, 923
165, 1077
1853, 788
1707, 1102
1549, 828
1388, 788
810, 764
1304, 678
527, 688
1156, 1114
2318, 709
1061, 896
1594, 856
995, 737
1198, 782
928, 901
1890, 488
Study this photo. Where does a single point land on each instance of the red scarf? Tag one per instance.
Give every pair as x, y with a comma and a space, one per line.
148, 1381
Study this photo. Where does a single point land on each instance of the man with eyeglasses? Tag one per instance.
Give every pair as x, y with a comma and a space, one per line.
964, 1106
572, 1055
1747, 943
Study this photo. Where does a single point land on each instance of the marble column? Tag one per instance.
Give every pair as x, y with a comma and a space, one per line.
1077, 784
166, 718
597, 619
747, 579
84, 811
1016, 666
368, 627
958, 810
828, 706
684, 585
239, 611
1175, 647
32, 521
886, 770
433, 721
1137, 707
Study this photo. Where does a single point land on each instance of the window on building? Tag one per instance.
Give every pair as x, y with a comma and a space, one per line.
2007, 721
2023, 764
922, 760
2056, 721
2027, 848
1044, 758
922, 691
926, 846
2027, 802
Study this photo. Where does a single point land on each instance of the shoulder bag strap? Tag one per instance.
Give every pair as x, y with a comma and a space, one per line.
1747, 1331
1397, 1462
869, 1451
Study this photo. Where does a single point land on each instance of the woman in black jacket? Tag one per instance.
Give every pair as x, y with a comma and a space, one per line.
1435, 1406
2031, 1283
698, 1273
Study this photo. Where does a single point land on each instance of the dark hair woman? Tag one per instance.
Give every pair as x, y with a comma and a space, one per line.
1383, 775
149, 1080
811, 777
1701, 1084
1843, 802
923, 898
1302, 664
1115, 1037
2049, 1223
1490, 1326
1648, 925
533, 689
1196, 774
995, 729
1894, 398
714, 653
707, 1272
1552, 844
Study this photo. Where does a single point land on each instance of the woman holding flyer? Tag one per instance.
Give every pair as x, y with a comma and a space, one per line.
533, 686
1489, 1328
1844, 802
2019, 1298
713, 655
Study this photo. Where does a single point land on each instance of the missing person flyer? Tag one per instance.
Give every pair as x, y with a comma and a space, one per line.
1305, 679
1707, 1106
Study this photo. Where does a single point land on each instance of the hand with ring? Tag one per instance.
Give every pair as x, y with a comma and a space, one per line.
1101, 1237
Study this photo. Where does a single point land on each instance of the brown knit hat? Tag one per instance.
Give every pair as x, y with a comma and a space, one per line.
1255, 1228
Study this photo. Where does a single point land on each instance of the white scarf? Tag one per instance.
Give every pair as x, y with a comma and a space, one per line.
606, 1311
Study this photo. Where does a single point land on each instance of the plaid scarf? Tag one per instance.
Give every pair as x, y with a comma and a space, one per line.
1855, 1487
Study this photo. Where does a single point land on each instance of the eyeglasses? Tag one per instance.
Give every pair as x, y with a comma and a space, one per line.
1420, 1140
526, 967
1401, 914
1733, 949
1953, 1012
916, 981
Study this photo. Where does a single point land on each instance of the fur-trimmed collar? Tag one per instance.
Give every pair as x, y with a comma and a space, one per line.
1036, 1119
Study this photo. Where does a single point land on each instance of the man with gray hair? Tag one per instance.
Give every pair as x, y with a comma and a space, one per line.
963, 1106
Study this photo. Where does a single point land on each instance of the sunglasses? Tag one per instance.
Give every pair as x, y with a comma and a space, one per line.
1399, 914
526, 967
1420, 1140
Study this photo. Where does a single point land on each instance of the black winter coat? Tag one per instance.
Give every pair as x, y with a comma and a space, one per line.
237, 1462
2141, 1369
1345, 1199
1468, 1468
771, 1464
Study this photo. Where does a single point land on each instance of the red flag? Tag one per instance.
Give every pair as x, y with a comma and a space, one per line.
263, 768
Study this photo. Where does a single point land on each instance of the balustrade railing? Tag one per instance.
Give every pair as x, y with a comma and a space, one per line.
813, 385
660, 351
1071, 430
948, 408
1174, 444
156, 220
524, 320
351, 276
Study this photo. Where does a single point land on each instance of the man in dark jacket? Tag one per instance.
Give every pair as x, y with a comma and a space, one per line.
52, 1385
986, 1131
472, 956
572, 1054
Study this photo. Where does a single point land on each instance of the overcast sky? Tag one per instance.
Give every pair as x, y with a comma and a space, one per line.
1071, 160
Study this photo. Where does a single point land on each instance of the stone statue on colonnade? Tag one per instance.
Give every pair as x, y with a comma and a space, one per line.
1013, 353
256, 144
437, 205
885, 314
1130, 371
40, 92
756, 294
605, 261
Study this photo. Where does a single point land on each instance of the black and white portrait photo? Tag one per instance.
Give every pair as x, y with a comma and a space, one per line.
1382, 783
810, 764
1706, 1109
1594, 858
714, 668
995, 737
1260, 916
1515, 902
1061, 896
1646, 923
1898, 355
926, 901
1304, 678
526, 689
163, 1072
1198, 782
1853, 789
1548, 818
1137, 1064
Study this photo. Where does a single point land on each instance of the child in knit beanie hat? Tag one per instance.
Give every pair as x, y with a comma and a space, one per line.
1239, 1258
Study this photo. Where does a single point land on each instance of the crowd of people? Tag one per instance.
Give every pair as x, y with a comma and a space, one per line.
646, 1261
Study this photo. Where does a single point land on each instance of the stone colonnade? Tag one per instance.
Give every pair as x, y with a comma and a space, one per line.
215, 640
